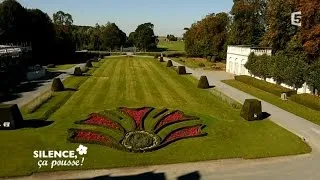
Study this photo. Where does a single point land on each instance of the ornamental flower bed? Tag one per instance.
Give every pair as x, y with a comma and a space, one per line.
173, 117
137, 138
99, 120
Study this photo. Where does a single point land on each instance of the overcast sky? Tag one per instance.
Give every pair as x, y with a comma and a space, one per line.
168, 16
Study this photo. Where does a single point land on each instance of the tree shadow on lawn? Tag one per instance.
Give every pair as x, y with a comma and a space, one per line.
34, 124
150, 175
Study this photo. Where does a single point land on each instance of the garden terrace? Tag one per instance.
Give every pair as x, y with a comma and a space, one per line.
145, 82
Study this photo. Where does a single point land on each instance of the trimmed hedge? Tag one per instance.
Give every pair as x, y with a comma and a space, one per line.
57, 85
169, 63
77, 71
203, 83
161, 59
10, 113
181, 70
89, 64
308, 100
251, 110
266, 86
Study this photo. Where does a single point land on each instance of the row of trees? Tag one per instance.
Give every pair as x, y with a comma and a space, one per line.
290, 69
171, 37
54, 41
259, 23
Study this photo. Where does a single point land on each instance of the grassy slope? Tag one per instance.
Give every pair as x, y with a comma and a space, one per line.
62, 67
171, 45
294, 108
144, 82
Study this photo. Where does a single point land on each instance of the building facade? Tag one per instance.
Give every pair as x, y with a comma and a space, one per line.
237, 56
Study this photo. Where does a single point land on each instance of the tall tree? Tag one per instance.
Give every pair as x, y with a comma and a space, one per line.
144, 37
279, 28
248, 25
13, 22
113, 37
62, 18
208, 36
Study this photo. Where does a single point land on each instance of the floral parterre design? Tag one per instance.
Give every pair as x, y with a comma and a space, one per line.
136, 136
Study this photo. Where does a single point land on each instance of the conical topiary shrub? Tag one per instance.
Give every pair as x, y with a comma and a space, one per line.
89, 64
11, 117
57, 85
251, 110
169, 63
203, 83
77, 71
181, 70
161, 59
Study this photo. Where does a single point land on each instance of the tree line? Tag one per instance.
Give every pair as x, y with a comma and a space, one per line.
56, 40
264, 23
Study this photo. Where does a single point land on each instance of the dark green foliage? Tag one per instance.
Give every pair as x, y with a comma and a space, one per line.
174, 54
171, 37
51, 66
161, 59
201, 65
10, 113
312, 77
203, 83
251, 110
181, 70
57, 85
169, 63
308, 100
259, 65
156, 56
89, 64
144, 37
77, 71
208, 36
265, 86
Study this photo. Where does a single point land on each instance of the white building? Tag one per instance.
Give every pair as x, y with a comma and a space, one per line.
237, 56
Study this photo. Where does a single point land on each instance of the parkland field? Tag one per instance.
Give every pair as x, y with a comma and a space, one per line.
142, 82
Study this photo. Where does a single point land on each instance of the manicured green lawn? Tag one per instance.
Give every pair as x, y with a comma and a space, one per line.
135, 82
62, 67
294, 108
194, 63
171, 45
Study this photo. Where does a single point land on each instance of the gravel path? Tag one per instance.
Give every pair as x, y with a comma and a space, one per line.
42, 86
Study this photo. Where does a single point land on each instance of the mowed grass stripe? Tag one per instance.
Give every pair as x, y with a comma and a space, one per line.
104, 88
139, 90
159, 86
130, 82
171, 83
122, 83
111, 98
153, 87
146, 81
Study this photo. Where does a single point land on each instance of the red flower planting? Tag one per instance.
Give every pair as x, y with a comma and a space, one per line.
136, 114
99, 120
183, 133
91, 137
137, 137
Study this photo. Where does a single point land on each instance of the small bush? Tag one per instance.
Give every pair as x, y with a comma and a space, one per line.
213, 59
266, 86
201, 65
161, 59
77, 71
156, 56
84, 69
209, 58
308, 100
251, 110
89, 64
181, 70
203, 83
51, 66
10, 113
57, 85
169, 63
